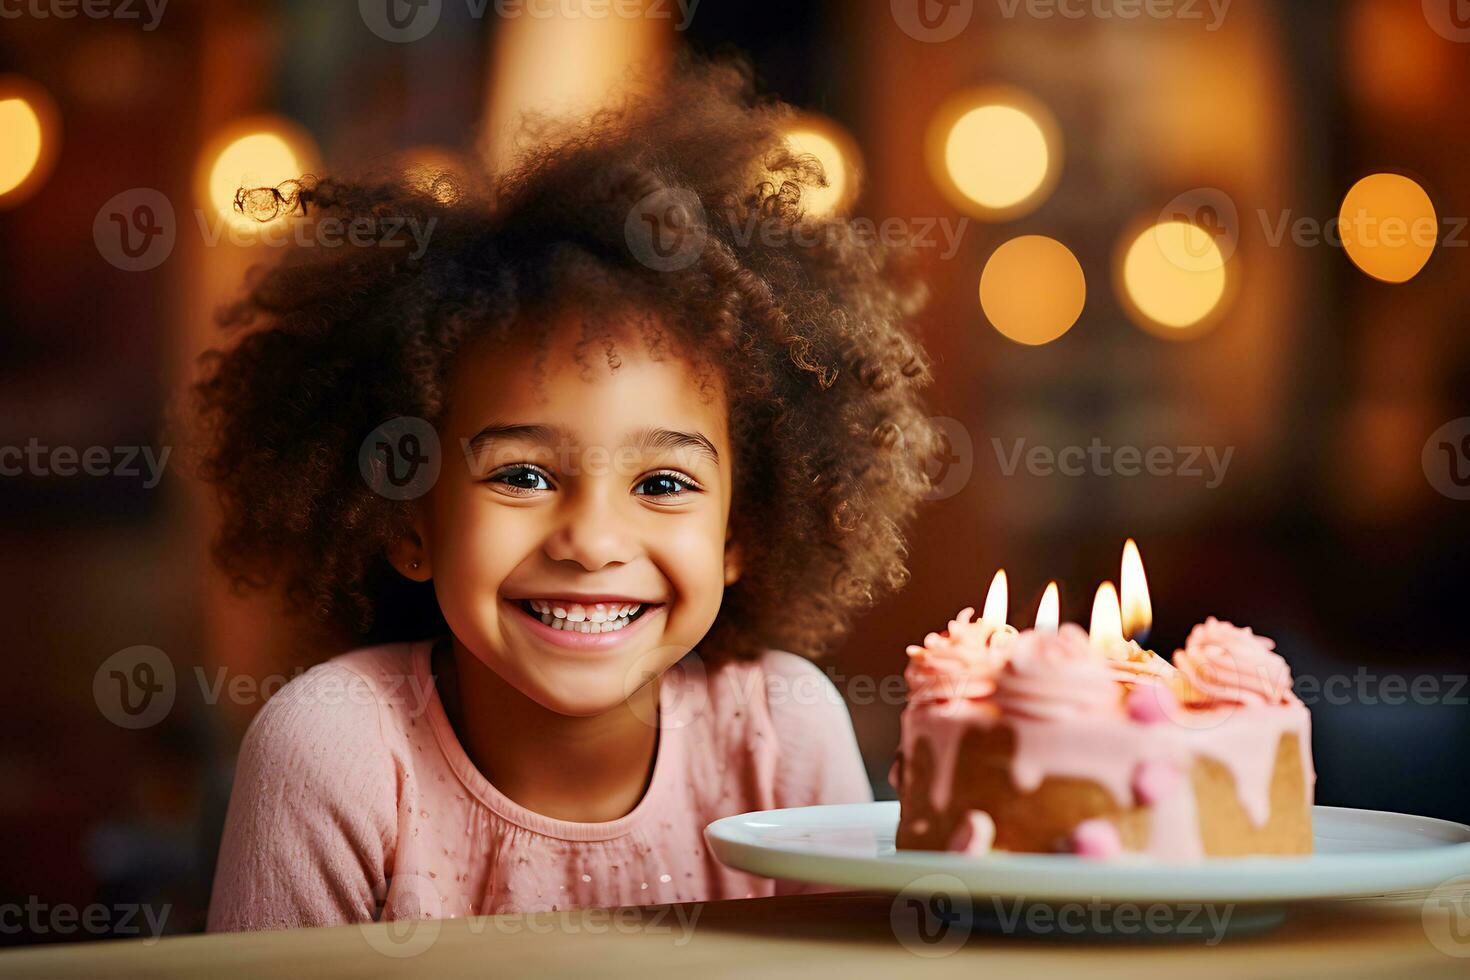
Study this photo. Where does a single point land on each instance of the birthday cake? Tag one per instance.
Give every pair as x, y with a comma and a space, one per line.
1048, 740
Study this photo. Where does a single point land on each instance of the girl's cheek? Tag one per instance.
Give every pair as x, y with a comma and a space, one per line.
693, 559
477, 544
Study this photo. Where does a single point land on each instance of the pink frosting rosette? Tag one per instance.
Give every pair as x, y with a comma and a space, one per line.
1057, 675
961, 662
1226, 664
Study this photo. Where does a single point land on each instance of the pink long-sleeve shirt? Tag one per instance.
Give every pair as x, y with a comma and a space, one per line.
354, 800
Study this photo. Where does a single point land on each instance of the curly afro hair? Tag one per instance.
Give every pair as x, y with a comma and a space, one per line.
806, 319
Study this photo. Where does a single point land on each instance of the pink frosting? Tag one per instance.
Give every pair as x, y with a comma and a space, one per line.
1150, 704
1132, 664
1227, 664
975, 835
1096, 838
961, 662
1155, 781
1056, 675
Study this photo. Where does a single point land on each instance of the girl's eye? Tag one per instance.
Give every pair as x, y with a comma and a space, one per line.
666, 485
521, 479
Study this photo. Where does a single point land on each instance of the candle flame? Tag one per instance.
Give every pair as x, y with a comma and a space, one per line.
997, 601
1136, 608
1107, 623
1049, 613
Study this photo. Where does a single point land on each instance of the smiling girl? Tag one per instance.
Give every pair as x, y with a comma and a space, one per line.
675, 438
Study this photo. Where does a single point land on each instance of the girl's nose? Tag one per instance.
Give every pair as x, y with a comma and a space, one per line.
591, 533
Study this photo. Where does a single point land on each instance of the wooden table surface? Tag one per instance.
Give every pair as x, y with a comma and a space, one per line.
844, 934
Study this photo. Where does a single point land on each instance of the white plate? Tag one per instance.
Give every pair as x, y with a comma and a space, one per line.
1358, 852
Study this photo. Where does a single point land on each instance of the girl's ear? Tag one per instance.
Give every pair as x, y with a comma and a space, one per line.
734, 560
409, 555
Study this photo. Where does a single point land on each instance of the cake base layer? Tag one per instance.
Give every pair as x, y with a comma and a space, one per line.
1041, 819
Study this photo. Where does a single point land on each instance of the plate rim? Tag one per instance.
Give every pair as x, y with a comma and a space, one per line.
1046, 876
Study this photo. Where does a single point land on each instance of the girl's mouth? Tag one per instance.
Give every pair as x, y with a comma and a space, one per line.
592, 625
598, 617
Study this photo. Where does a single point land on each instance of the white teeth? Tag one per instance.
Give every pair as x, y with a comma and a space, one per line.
601, 617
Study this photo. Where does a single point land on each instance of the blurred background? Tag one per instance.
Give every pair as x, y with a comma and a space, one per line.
1209, 259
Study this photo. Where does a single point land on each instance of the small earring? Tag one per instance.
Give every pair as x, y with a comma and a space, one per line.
415, 564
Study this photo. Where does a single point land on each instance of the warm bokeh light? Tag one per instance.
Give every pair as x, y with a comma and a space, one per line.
1106, 628
1389, 226
837, 155
1173, 275
258, 153
1049, 612
995, 152
563, 63
997, 156
1136, 606
1032, 289
20, 142
997, 601
28, 136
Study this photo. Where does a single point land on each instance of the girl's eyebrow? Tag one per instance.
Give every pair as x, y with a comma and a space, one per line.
552, 435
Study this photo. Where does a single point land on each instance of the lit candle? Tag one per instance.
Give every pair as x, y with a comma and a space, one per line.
1106, 629
997, 602
1137, 611
1049, 613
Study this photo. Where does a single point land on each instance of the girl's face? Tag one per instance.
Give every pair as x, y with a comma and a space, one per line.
577, 534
